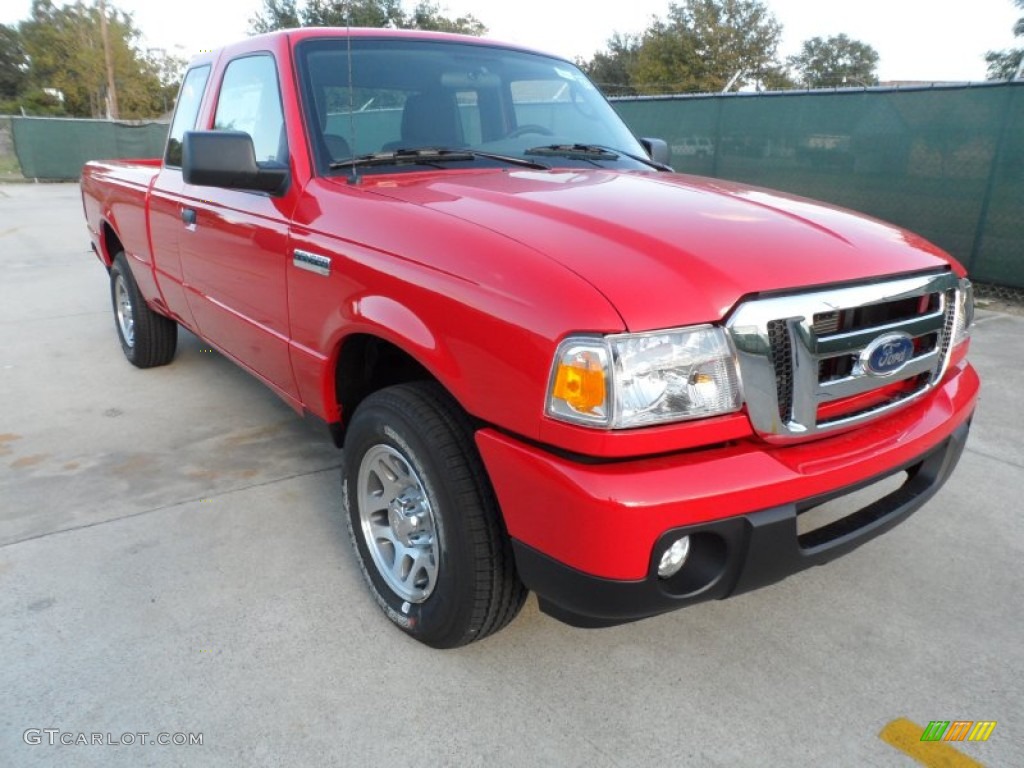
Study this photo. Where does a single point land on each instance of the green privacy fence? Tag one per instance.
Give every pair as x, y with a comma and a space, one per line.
946, 162
54, 148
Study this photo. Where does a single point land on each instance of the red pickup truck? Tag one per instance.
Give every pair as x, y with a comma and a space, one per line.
552, 363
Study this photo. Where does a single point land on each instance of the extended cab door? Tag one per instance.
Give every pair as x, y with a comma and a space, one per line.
234, 244
166, 203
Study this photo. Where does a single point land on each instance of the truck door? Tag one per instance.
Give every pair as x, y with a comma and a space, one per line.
235, 243
165, 198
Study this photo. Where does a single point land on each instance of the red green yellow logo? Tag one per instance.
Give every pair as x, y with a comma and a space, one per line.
958, 730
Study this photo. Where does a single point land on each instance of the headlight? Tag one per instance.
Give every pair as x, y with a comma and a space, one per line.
964, 311
635, 380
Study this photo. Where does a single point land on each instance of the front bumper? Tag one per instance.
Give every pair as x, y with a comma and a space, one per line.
587, 536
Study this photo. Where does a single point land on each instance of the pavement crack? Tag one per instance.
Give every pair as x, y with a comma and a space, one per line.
165, 507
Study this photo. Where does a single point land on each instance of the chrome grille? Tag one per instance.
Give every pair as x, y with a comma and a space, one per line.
827, 322
782, 360
805, 358
947, 331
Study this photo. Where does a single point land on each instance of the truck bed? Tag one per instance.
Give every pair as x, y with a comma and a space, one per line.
115, 191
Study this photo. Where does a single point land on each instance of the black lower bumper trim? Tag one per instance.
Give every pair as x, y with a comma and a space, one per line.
736, 554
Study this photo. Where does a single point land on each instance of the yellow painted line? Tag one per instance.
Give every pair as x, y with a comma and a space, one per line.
906, 737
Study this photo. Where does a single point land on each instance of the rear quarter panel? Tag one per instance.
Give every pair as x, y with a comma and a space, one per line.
115, 194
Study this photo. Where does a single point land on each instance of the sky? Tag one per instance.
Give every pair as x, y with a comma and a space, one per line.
915, 39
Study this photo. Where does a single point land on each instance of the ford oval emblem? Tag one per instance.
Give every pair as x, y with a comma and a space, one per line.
887, 354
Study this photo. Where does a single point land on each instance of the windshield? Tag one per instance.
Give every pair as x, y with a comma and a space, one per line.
406, 94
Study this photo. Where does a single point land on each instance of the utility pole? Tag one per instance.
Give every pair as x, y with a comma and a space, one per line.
112, 111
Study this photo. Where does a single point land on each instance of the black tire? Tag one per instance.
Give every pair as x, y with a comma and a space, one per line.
474, 590
148, 339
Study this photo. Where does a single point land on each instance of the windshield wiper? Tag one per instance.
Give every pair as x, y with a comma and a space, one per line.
432, 156
402, 157
592, 152
582, 151
510, 159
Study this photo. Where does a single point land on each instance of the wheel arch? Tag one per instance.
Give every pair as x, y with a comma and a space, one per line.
110, 243
383, 342
366, 361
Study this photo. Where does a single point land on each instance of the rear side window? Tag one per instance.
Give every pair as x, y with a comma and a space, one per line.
186, 112
250, 101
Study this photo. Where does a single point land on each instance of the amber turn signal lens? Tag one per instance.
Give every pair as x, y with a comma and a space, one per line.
579, 383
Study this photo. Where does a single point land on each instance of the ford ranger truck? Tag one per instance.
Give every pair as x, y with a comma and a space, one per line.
552, 363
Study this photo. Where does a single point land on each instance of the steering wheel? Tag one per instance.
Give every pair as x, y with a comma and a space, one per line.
522, 130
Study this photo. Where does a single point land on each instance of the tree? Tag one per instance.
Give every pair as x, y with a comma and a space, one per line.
66, 54
287, 14
13, 63
729, 36
610, 69
667, 60
1003, 65
66, 57
838, 60
428, 15
169, 71
776, 77
276, 14
701, 45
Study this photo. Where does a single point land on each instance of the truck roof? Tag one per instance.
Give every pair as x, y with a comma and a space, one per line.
289, 37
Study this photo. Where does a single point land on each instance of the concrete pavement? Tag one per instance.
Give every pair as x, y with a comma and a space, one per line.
172, 560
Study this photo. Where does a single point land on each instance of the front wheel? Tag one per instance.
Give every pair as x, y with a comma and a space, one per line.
147, 339
423, 519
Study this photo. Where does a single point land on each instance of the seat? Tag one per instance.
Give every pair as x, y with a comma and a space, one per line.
337, 146
429, 119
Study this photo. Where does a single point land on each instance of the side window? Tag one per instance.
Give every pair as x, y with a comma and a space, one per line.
250, 101
186, 112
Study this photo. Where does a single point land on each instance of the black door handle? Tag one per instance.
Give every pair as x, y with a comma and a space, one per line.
188, 215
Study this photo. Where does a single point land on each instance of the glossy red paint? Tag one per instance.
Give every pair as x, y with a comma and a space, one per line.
604, 519
482, 313
700, 244
478, 275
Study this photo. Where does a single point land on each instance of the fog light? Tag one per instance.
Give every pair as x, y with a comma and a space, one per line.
674, 557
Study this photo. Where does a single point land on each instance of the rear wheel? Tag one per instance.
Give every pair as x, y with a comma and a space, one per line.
423, 519
148, 339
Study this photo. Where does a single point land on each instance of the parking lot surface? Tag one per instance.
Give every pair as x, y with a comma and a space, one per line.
173, 561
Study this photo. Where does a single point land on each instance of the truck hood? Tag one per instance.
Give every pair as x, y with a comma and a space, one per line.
666, 249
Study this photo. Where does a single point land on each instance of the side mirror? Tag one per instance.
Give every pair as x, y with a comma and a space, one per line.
658, 150
227, 159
